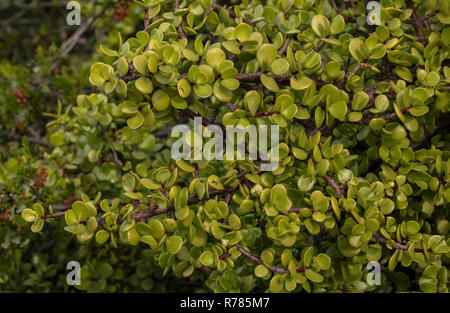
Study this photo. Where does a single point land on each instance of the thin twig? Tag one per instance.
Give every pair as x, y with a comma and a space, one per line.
259, 114
427, 16
55, 215
255, 77
146, 21
342, 82
334, 185
73, 40
218, 7
378, 237
284, 46
191, 114
417, 24
333, 3
319, 47
273, 268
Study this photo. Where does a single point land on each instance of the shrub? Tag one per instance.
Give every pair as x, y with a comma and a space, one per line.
32, 90
363, 169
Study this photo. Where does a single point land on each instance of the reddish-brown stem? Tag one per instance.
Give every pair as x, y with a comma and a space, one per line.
147, 20
191, 114
333, 3
196, 170
181, 33
342, 82
132, 77
356, 69
378, 237
273, 268
259, 114
228, 198
255, 77
257, 260
427, 16
294, 210
302, 269
417, 24
211, 8
243, 68
60, 207
284, 46
249, 78
319, 47
231, 106
207, 269
386, 117
55, 215
334, 185
224, 256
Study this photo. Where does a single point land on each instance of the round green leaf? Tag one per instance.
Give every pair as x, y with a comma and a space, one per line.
323, 260
337, 25
261, 271
140, 63
207, 258
432, 79
174, 244
412, 227
269, 83
320, 25
144, 85
242, 32
101, 236
215, 56
301, 83
266, 54
29, 215
135, 121
280, 66
160, 100
338, 110
184, 88
314, 276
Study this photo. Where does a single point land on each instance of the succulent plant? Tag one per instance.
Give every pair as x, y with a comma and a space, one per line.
364, 168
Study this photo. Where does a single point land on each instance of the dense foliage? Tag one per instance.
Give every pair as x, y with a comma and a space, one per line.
32, 68
364, 168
